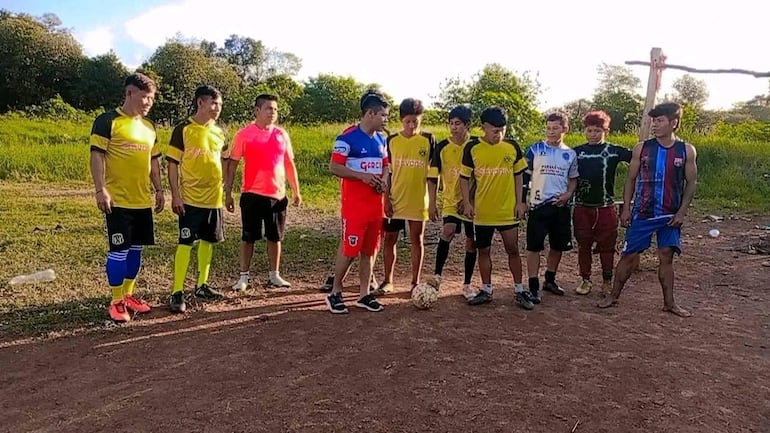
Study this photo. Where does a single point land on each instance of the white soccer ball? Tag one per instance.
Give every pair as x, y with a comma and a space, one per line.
424, 296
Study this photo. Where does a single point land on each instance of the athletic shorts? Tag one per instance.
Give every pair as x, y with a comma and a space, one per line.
596, 225
484, 234
126, 227
555, 222
361, 235
461, 225
640, 231
258, 211
201, 223
393, 225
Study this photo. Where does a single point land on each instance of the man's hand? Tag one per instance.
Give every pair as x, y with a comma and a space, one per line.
677, 221
625, 217
230, 203
433, 212
520, 211
297, 199
469, 211
388, 208
104, 201
177, 206
562, 199
160, 200
372, 180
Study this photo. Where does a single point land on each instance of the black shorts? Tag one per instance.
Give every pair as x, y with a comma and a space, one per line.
484, 234
393, 225
256, 209
201, 223
552, 221
461, 225
126, 227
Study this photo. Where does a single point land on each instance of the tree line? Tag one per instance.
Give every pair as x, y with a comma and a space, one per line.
44, 68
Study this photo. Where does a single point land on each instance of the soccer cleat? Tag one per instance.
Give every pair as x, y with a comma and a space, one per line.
336, 304
553, 288
328, 285
370, 303
176, 302
207, 293
277, 281
118, 312
469, 292
242, 284
136, 305
535, 296
481, 298
382, 289
523, 300
583, 288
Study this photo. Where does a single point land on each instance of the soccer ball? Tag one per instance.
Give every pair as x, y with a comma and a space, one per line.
424, 296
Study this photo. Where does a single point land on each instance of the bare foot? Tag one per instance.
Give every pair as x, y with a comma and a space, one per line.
679, 311
608, 301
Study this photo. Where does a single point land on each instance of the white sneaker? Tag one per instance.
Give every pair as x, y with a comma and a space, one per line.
469, 292
242, 284
277, 281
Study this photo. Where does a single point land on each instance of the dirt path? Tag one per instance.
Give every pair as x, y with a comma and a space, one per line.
279, 362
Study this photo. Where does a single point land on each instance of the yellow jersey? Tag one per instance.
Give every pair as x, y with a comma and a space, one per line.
445, 165
199, 149
409, 162
493, 167
129, 144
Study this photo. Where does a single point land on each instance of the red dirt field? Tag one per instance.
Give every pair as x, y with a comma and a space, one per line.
282, 363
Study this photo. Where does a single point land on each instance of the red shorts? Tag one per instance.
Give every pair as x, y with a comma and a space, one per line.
596, 224
361, 235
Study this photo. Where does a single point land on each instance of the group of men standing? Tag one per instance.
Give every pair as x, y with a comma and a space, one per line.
389, 183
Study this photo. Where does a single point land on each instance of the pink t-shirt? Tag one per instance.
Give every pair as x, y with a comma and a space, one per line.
266, 154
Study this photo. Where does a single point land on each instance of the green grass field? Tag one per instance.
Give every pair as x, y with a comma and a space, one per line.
48, 218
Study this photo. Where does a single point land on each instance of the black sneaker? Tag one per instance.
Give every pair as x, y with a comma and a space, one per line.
336, 304
523, 301
481, 298
207, 293
176, 302
370, 303
553, 288
535, 296
328, 285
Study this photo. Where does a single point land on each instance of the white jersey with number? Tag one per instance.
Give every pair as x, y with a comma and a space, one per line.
551, 169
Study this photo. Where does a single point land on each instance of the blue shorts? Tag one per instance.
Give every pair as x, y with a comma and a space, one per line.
639, 235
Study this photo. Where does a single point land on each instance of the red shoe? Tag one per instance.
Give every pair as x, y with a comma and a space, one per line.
136, 305
118, 312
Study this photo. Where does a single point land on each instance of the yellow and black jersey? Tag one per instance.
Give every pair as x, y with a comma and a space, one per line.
129, 144
409, 163
493, 167
199, 149
445, 165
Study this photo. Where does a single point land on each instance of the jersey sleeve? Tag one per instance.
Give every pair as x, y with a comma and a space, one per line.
520, 165
466, 170
289, 147
237, 151
155, 152
176, 144
624, 154
341, 151
530, 157
101, 133
434, 168
573, 167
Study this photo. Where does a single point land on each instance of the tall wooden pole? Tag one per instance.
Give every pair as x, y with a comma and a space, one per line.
653, 82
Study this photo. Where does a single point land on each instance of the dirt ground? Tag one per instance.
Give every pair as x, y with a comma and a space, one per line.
279, 362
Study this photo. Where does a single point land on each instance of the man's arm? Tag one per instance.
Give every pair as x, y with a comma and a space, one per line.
160, 199
291, 171
633, 172
177, 206
691, 178
103, 199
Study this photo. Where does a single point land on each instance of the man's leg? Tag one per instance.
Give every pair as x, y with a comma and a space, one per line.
448, 231
417, 248
391, 229
253, 210
511, 242
274, 231
584, 220
536, 233
484, 236
669, 243
638, 239
622, 274
471, 256
560, 240
606, 235
352, 239
142, 233
370, 243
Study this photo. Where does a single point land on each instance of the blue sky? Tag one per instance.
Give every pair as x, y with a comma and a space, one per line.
561, 41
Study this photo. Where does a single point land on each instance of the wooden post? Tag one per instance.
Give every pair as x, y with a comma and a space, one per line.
656, 61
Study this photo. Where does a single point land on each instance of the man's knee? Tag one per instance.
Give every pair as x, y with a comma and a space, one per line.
484, 251
666, 255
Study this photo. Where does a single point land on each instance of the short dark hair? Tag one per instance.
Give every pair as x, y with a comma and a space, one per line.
495, 116
558, 116
672, 110
373, 100
141, 81
264, 97
368, 93
461, 112
597, 118
410, 107
202, 91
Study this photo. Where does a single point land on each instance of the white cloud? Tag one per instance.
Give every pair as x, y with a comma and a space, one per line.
410, 47
96, 41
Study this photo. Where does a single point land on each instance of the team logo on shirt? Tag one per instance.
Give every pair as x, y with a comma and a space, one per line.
605, 154
423, 152
508, 159
353, 240
565, 155
678, 162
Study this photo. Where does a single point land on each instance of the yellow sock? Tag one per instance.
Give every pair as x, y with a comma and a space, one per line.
181, 262
117, 294
205, 254
129, 284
